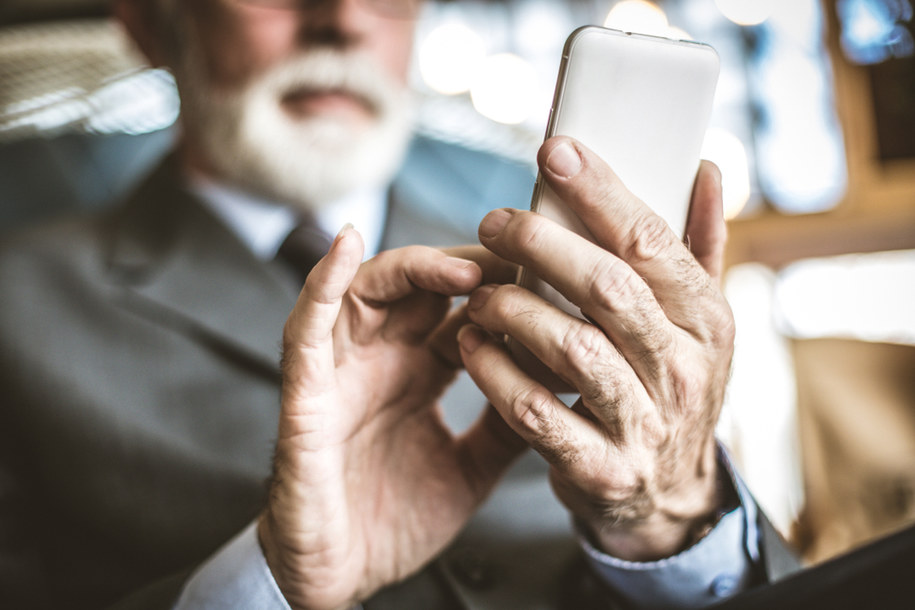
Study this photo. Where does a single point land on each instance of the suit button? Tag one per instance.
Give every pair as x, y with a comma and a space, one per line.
724, 585
472, 569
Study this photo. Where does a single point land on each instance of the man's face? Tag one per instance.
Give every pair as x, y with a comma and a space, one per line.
299, 101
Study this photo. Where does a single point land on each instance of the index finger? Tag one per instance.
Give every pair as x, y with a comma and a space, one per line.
308, 334
395, 274
623, 224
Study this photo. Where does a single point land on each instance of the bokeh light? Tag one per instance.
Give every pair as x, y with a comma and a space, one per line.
450, 57
638, 16
746, 12
506, 89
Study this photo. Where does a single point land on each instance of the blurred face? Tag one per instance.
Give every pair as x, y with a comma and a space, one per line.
297, 101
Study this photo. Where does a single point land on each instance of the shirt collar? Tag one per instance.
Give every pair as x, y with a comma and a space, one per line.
262, 225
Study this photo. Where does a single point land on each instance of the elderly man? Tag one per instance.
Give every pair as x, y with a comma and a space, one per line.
140, 369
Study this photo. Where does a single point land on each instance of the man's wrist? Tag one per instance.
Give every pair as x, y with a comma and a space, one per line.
674, 525
269, 547
716, 567
236, 573
720, 564
286, 584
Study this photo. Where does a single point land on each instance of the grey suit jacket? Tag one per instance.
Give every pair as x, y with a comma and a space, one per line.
138, 367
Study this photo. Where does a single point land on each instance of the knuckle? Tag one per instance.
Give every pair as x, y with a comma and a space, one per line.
536, 413
620, 487
688, 387
648, 239
531, 229
658, 432
608, 398
696, 396
532, 410
505, 307
651, 332
613, 282
584, 347
502, 301
719, 329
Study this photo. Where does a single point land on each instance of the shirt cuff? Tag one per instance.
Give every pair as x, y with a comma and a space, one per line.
237, 574
725, 562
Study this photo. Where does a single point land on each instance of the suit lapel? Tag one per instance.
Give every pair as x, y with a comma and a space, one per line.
180, 267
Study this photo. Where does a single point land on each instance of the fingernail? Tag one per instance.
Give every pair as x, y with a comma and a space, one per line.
479, 297
459, 263
494, 222
564, 161
339, 236
471, 337
344, 229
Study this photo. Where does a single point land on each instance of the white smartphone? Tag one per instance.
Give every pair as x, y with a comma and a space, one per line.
642, 103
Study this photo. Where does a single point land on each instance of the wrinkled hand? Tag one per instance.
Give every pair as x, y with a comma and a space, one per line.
369, 484
634, 459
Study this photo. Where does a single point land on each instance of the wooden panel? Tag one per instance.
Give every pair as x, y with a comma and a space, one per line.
856, 413
878, 211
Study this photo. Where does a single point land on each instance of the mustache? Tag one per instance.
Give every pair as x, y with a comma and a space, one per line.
331, 71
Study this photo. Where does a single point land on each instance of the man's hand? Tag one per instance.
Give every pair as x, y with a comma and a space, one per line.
369, 484
634, 459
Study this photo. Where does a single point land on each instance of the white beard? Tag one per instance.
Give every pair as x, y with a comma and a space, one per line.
251, 141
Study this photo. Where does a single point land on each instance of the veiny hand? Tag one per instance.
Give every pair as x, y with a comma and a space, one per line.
634, 459
369, 484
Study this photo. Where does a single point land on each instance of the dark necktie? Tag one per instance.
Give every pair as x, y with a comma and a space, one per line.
303, 247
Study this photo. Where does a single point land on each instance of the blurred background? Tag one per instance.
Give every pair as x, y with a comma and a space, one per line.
813, 128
